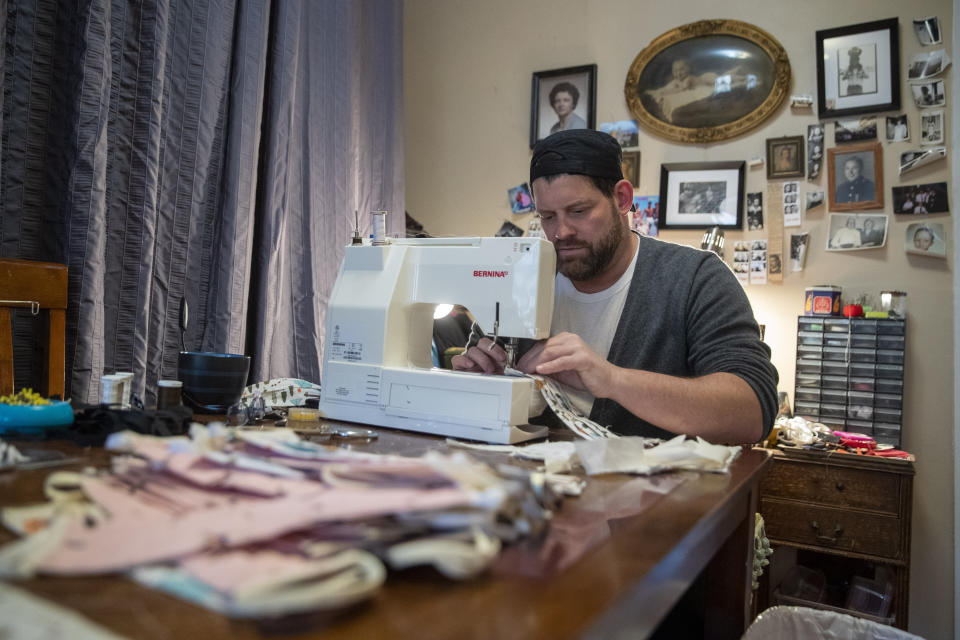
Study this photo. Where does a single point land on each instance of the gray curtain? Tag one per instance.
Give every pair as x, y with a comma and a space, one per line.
212, 151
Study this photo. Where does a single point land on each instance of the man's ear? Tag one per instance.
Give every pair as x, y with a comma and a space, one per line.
623, 195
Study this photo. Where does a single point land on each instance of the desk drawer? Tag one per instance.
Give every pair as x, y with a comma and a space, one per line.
832, 529
832, 485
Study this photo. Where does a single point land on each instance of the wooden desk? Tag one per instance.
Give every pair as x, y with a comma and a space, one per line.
623, 587
849, 512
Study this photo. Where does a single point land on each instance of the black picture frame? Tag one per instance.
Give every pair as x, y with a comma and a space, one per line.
785, 157
543, 116
870, 81
702, 195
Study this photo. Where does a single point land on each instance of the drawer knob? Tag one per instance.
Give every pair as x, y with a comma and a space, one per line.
840, 486
837, 531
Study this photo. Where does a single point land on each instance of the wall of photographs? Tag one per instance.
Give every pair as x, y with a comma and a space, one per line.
468, 73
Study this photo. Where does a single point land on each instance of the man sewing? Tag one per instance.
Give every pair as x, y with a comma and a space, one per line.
684, 353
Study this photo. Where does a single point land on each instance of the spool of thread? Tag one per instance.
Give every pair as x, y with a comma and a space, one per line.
127, 389
379, 220
169, 394
111, 390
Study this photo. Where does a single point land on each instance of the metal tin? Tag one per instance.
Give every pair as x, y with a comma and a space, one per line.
822, 300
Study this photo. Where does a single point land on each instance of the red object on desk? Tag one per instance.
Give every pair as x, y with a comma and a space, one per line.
853, 310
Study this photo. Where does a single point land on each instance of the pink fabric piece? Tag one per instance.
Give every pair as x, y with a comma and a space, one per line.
139, 531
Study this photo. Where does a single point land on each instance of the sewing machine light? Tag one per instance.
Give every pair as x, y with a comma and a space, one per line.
442, 311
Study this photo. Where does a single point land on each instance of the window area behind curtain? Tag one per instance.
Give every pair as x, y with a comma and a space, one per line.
209, 150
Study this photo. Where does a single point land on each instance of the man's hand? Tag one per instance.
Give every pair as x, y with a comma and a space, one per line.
566, 358
481, 358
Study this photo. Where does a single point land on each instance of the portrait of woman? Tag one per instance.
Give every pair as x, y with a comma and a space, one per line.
563, 99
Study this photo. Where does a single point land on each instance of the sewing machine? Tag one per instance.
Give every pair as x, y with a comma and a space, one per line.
377, 366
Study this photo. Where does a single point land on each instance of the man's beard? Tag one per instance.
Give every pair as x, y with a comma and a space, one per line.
599, 255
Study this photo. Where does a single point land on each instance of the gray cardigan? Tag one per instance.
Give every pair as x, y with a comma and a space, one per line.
686, 315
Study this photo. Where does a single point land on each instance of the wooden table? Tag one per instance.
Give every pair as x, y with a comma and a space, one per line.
701, 533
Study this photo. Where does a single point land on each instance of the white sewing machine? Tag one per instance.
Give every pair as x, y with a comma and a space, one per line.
377, 366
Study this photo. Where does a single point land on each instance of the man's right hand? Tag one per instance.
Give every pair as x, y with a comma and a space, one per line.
481, 358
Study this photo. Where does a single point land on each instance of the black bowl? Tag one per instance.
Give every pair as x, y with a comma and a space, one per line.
212, 381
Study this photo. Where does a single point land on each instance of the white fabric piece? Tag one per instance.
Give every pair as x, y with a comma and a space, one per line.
556, 456
592, 316
234, 583
24, 616
457, 558
800, 430
630, 455
564, 409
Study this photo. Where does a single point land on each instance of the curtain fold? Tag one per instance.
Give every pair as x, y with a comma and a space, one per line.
205, 150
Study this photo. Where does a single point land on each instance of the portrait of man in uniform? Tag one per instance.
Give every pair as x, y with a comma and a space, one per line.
855, 177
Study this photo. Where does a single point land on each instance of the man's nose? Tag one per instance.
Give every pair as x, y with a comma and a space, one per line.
562, 229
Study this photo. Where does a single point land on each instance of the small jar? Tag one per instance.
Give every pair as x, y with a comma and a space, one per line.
169, 394
111, 390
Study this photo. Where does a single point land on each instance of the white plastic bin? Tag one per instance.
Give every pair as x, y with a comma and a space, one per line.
801, 623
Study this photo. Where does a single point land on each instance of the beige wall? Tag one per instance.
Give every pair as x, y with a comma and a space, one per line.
467, 74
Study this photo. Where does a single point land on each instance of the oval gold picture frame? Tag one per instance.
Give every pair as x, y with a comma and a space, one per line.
707, 102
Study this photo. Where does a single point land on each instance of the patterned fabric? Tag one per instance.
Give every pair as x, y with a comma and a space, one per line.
212, 150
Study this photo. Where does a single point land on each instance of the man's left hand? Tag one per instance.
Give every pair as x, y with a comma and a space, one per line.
566, 358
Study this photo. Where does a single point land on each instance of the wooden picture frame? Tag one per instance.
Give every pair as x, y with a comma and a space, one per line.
631, 167
685, 88
701, 195
785, 157
858, 69
570, 85
852, 188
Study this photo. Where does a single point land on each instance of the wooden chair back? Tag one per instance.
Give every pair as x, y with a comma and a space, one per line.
36, 286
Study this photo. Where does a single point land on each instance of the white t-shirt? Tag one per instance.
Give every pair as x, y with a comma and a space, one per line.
592, 316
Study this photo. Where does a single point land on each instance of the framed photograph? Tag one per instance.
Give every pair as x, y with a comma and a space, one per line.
563, 99
926, 239
858, 69
855, 177
785, 157
853, 231
921, 198
700, 195
631, 167
707, 81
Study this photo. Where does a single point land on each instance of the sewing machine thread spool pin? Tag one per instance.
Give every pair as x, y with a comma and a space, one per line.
379, 227
357, 238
